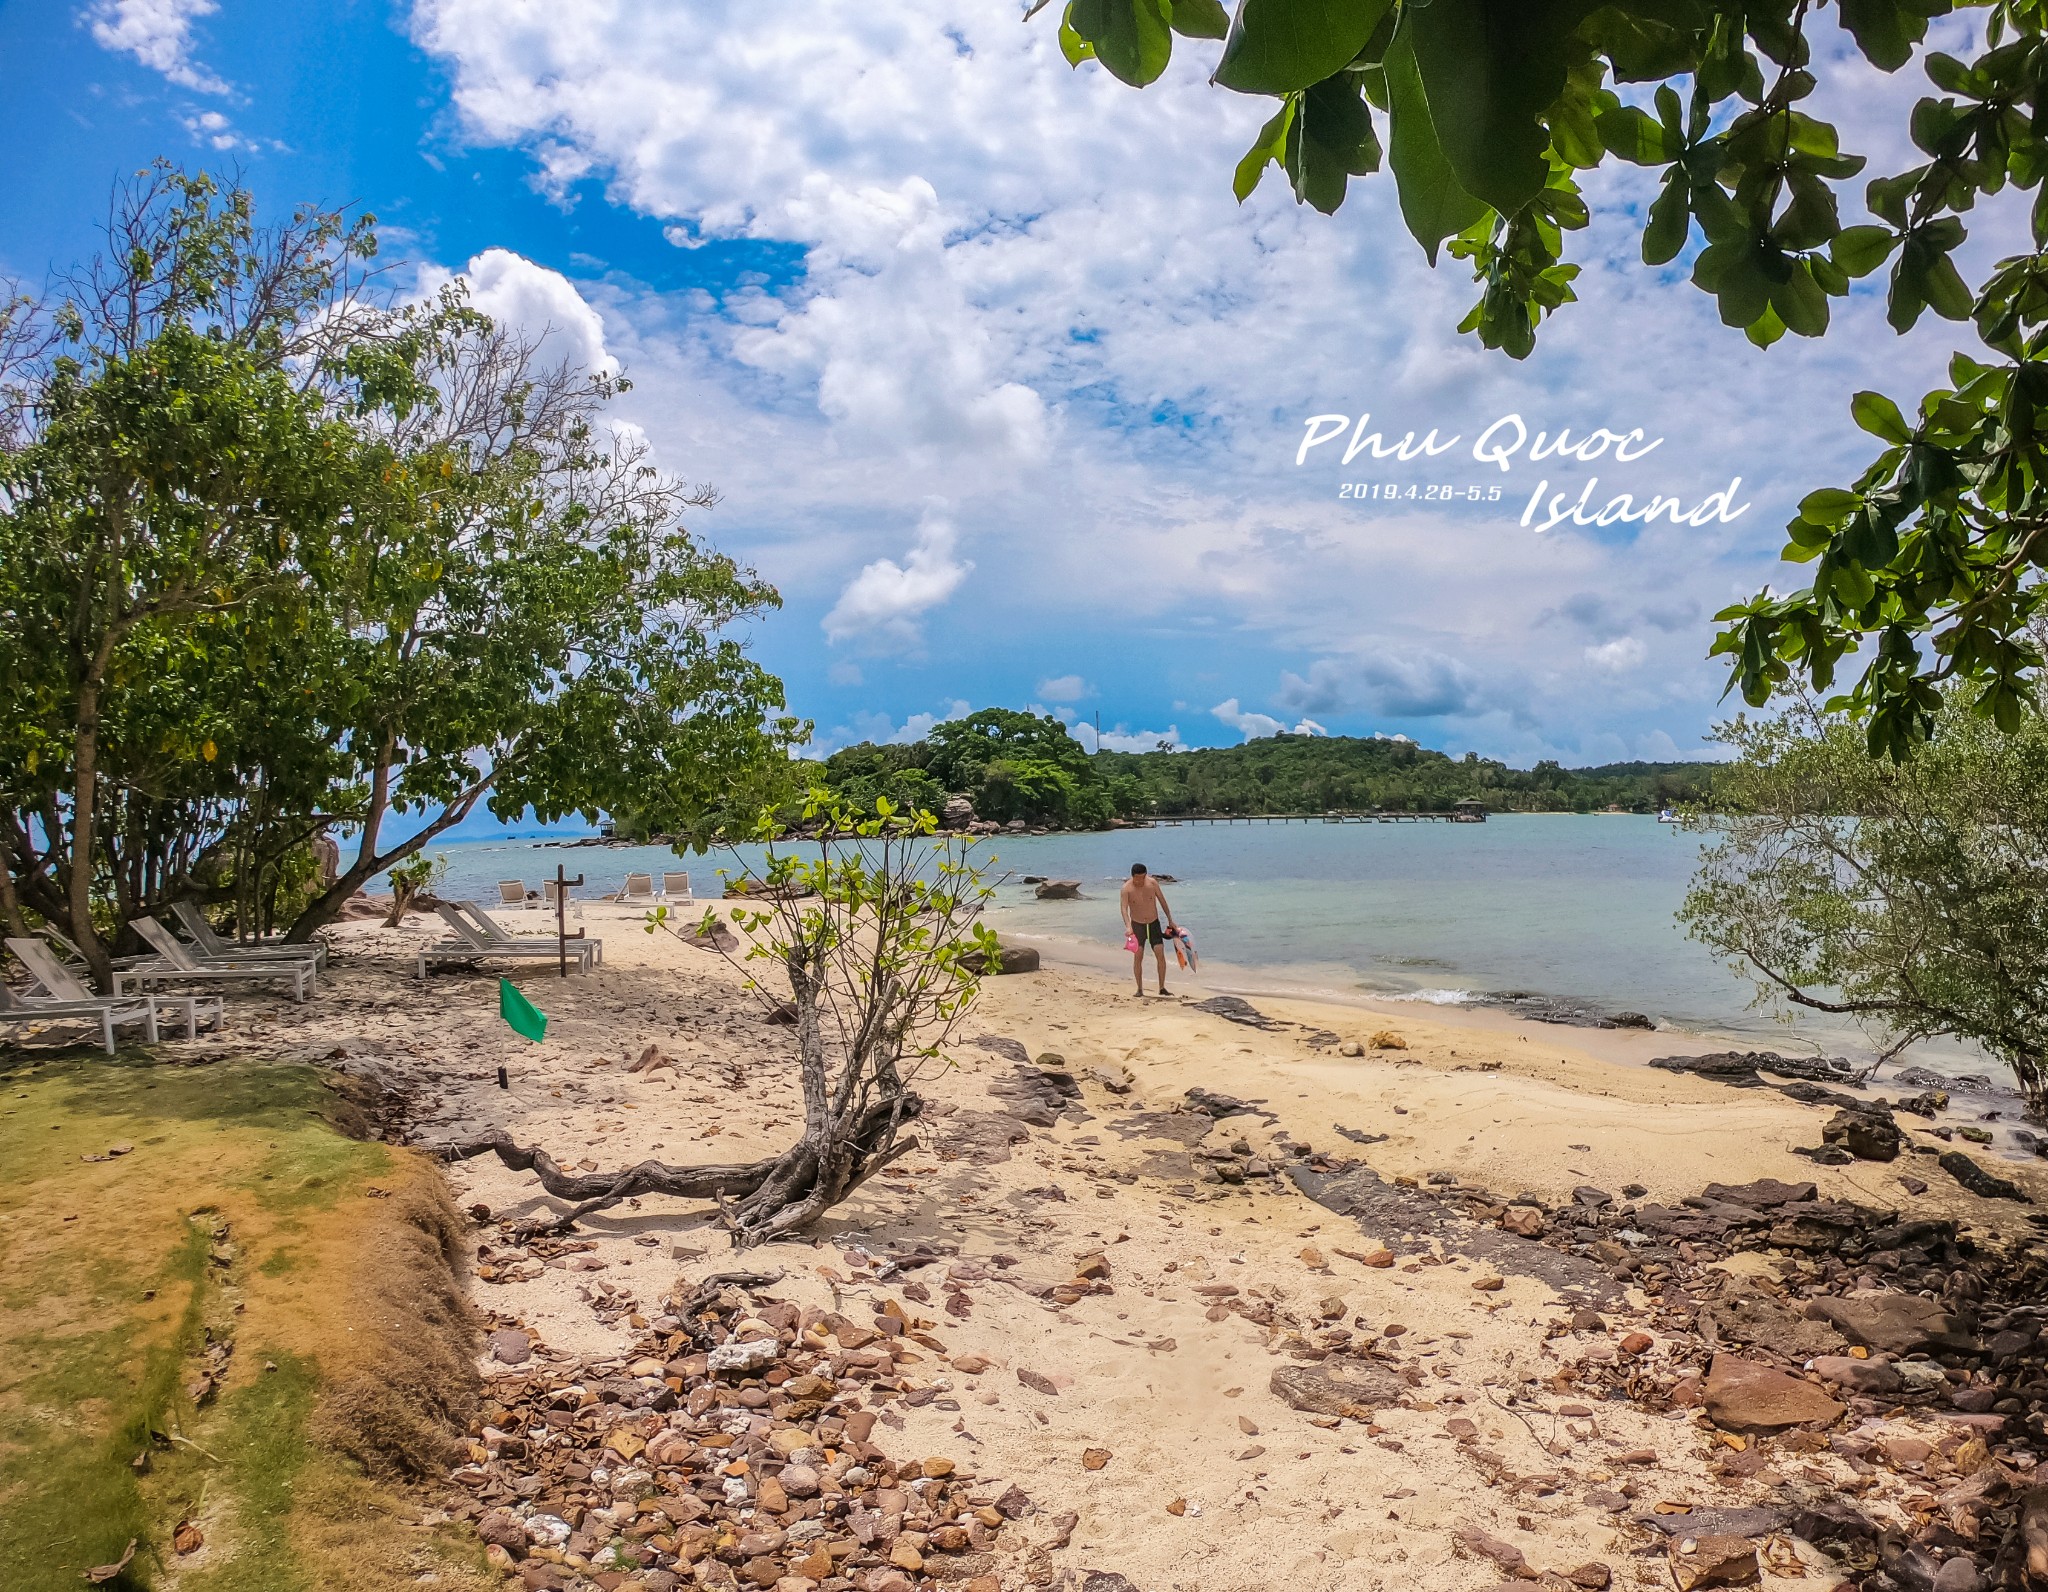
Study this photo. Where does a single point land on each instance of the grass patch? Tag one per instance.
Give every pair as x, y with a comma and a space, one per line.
240, 1213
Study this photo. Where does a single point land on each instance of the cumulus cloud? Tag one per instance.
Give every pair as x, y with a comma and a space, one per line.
1257, 726
1121, 739
881, 607
1618, 656
1083, 353
157, 33
1402, 684
545, 304
883, 730
1065, 688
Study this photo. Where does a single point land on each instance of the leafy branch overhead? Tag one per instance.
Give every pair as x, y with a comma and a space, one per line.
1929, 568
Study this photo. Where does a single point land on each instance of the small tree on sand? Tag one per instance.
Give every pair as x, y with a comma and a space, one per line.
1910, 897
874, 930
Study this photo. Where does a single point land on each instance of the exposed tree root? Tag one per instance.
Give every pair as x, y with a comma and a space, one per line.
758, 1200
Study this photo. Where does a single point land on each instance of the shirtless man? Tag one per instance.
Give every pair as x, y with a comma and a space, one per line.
1144, 904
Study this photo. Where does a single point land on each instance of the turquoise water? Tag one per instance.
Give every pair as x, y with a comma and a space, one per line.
1578, 908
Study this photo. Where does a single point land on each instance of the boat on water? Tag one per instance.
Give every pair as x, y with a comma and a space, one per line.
1666, 816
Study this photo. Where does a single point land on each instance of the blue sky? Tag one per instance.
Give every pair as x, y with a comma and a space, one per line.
1001, 387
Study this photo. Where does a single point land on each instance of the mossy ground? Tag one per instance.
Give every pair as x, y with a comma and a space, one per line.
242, 1214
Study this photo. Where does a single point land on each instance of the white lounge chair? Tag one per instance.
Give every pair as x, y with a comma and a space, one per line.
675, 886
639, 887
179, 963
210, 943
512, 893
549, 890
106, 1015
478, 938
58, 989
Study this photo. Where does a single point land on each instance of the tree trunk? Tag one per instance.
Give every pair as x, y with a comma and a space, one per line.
775, 1195
325, 907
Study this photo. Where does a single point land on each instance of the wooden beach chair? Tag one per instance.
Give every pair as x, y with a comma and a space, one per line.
178, 963
675, 886
480, 939
57, 987
639, 888
210, 943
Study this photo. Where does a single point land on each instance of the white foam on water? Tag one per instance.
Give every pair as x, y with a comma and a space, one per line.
1433, 997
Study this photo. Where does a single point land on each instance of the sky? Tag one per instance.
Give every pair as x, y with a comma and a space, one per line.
1002, 389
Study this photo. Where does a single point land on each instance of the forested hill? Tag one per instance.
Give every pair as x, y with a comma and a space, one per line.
1300, 773
1026, 767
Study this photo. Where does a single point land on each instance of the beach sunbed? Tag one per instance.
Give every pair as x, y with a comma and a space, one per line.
675, 886
179, 963
478, 939
639, 887
105, 1015
512, 893
210, 943
62, 990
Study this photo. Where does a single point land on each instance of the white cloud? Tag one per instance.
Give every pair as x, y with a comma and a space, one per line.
1065, 688
215, 131
1252, 726
1101, 362
157, 33
880, 728
1618, 656
1123, 740
882, 606
513, 291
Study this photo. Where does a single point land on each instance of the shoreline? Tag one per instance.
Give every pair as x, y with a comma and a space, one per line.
1123, 1286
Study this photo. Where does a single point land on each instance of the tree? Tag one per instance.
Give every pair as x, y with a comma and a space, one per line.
278, 554
1911, 897
874, 931
1933, 560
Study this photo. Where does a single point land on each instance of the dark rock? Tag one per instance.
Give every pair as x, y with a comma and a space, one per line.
1714, 1562
1235, 1009
1737, 1522
1105, 1581
1930, 1104
1978, 1181
1213, 1104
1766, 1324
1586, 1194
1866, 1132
1338, 1385
1897, 1323
1014, 959
510, 1346
1060, 890
1825, 1154
1009, 1049
1631, 1020
1764, 1194
1830, 1524
1957, 1083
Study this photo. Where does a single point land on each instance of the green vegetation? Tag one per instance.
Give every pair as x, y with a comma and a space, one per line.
1923, 914
1027, 766
116, 1277
278, 555
1929, 567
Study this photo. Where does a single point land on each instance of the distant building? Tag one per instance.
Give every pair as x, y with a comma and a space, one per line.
1469, 810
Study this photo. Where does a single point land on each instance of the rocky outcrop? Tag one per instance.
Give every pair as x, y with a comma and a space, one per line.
1060, 890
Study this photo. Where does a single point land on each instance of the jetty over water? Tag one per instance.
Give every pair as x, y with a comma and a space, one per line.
1462, 813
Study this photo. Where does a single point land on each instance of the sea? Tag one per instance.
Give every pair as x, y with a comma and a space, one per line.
1570, 914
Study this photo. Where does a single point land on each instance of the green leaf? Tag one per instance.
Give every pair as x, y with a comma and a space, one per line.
1433, 203
1885, 30
1269, 149
1669, 224
1075, 48
1200, 19
1490, 72
1330, 140
1879, 416
1132, 38
1800, 303
1278, 46
1861, 250
1637, 136
1829, 506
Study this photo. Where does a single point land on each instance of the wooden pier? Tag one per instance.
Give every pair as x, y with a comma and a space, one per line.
1165, 819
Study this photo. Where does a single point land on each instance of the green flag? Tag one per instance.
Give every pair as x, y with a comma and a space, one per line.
525, 1017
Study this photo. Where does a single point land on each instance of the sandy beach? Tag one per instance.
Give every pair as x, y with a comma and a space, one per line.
1209, 1275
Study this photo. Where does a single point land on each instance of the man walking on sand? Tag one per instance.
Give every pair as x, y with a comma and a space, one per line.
1144, 904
